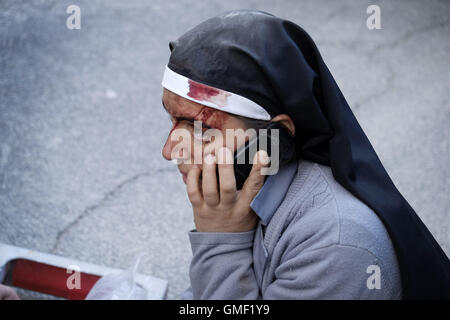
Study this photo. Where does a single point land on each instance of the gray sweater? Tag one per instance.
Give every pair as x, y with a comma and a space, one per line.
320, 242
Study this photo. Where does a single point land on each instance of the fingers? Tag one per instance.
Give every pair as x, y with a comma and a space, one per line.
209, 181
207, 189
7, 293
226, 176
255, 179
193, 186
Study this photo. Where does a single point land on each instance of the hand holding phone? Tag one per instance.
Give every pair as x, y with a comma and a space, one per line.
220, 207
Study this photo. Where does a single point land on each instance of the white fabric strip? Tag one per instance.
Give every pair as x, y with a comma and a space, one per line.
212, 97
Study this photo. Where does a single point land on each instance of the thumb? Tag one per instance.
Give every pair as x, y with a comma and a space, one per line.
255, 180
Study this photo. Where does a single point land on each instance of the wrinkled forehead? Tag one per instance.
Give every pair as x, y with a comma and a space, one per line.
175, 103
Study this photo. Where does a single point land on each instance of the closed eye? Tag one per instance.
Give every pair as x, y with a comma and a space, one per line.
191, 122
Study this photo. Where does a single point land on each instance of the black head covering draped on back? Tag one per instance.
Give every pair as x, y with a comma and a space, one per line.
275, 63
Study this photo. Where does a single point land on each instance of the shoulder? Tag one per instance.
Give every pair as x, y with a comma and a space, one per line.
328, 222
328, 214
358, 225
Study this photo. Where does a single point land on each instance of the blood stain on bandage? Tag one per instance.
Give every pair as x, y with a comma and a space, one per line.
203, 92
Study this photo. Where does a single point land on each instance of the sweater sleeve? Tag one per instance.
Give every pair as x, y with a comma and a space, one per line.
222, 265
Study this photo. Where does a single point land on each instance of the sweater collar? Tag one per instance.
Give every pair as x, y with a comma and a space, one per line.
270, 196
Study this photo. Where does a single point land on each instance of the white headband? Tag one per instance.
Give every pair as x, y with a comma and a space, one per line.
212, 97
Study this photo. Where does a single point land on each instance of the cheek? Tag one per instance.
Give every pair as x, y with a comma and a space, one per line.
235, 134
197, 151
213, 146
232, 143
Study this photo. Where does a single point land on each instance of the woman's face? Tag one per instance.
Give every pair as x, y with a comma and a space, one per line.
189, 148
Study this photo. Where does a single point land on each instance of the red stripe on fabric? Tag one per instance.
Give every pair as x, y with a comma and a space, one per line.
45, 278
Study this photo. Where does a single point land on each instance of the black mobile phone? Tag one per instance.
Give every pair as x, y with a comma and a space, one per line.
264, 140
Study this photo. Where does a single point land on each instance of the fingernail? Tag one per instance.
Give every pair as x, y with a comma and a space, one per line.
263, 158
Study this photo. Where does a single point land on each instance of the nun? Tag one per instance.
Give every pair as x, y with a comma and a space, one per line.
330, 224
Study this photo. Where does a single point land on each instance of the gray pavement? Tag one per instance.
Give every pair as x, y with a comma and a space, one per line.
82, 126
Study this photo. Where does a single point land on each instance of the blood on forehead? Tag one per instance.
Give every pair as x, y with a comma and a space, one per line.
212, 117
178, 106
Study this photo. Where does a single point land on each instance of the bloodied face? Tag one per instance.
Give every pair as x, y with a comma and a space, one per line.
188, 142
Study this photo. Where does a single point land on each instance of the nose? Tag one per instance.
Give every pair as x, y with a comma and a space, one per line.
177, 144
167, 149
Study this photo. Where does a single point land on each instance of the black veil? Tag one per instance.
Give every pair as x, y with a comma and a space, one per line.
276, 64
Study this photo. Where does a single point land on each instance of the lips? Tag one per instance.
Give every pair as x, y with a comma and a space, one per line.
184, 175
